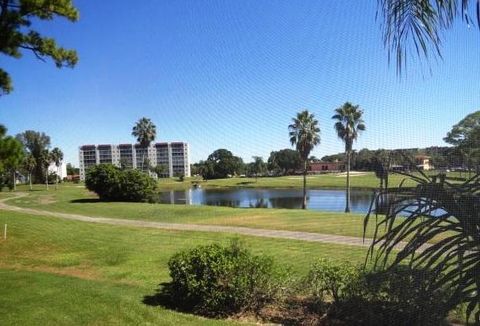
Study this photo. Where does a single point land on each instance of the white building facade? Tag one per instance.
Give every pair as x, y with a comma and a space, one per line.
60, 171
174, 157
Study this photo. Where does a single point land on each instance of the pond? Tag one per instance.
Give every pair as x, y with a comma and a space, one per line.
321, 200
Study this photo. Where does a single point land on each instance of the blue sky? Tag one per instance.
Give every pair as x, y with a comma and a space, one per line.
231, 74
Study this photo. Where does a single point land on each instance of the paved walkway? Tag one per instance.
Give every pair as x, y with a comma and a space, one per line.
280, 234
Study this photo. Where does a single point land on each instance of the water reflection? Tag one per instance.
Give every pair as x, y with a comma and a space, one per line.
325, 200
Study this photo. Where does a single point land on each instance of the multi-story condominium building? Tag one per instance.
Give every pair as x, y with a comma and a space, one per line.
173, 156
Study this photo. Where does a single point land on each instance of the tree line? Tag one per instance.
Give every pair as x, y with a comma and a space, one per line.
463, 152
27, 154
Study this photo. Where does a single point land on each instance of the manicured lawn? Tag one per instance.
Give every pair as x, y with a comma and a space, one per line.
68, 272
362, 180
36, 298
366, 180
76, 199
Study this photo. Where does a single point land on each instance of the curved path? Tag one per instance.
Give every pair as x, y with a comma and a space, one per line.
281, 234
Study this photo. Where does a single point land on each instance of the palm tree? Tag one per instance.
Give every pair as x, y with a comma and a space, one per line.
145, 132
417, 25
57, 158
29, 164
348, 126
45, 160
305, 135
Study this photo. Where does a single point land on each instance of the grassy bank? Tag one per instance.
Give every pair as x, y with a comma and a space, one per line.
76, 199
365, 180
358, 180
68, 272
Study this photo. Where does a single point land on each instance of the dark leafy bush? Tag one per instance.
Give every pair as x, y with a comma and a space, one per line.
136, 186
104, 180
401, 296
111, 183
52, 178
217, 280
328, 280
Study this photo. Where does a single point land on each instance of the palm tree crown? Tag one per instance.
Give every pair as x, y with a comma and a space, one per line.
304, 133
145, 131
56, 156
349, 123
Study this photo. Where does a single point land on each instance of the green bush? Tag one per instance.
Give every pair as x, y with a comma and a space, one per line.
401, 296
111, 183
217, 280
136, 186
104, 180
328, 280
52, 178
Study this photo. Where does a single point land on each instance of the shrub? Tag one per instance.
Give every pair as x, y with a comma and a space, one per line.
217, 280
104, 180
328, 280
136, 186
52, 178
401, 296
111, 183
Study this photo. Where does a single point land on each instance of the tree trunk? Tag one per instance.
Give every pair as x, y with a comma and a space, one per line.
304, 203
46, 177
14, 181
56, 178
347, 197
30, 180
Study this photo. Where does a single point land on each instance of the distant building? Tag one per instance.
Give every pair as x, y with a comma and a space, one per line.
322, 167
423, 162
173, 156
60, 171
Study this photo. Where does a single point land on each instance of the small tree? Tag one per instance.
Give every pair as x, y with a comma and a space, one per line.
45, 161
12, 155
29, 164
57, 158
159, 170
35, 143
258, 166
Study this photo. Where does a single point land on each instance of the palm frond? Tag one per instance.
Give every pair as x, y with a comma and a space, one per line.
416, 26
439, 231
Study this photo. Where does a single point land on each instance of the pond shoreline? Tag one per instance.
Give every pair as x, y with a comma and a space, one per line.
329, 200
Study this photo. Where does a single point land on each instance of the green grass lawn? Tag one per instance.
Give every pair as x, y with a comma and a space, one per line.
68, 272
363, 180
76, 199
332, 181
